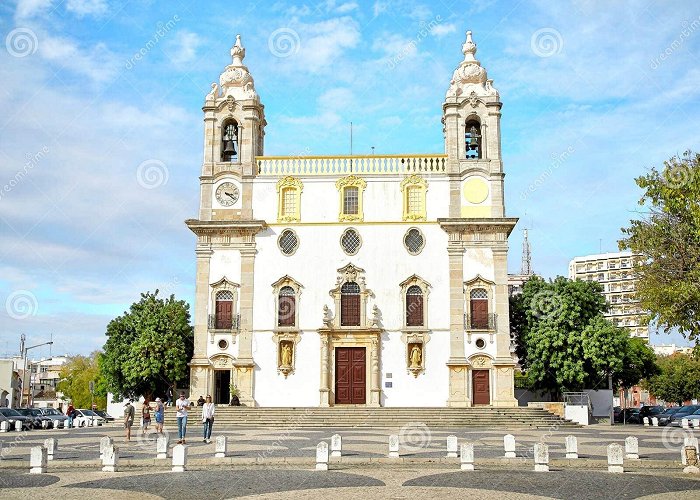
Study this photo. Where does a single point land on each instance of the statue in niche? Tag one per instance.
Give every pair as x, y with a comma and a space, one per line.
286, 354
416, 357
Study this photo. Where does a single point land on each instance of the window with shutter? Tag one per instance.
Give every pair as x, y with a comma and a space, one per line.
350, 304
414, 306
224, 310
286, 310
479, 309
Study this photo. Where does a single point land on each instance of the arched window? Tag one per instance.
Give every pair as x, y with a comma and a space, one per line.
350, 304
229, 141
472, 140
224, 310
479, 309
414, 306
286, 307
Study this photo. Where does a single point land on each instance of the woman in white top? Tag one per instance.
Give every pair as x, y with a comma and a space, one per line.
208, 418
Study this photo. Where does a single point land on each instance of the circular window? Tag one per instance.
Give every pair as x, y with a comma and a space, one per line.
350, 241
480, 343
288, 242
223, 344
414, 241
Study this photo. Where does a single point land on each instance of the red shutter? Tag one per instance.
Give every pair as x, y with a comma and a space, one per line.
350, 310
286, 312
224, 314
480, 314
414, 310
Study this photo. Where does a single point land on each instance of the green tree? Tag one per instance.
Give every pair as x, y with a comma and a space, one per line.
639, 364
678, 379
668, 238
148, 348
562, 339
76, 375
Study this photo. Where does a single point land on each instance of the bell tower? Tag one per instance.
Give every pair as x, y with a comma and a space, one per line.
234, 131
472, 129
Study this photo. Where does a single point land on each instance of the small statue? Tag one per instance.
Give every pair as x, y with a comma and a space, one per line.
376, 316
211, 96
327, 317
416, 356
286, 354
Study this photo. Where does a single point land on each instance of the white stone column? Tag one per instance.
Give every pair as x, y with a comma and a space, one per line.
571, 447
105, 441
324, 390
631, 447
466, 454
51, 445
375, 389
179, 458
509, 445
615, 459
451, 446
336, 446
162, 444
221, 447
322, 456
110, 459
38, 459
541, 457
394, 446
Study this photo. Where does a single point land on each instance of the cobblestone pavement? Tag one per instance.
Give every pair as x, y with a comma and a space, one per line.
424, 473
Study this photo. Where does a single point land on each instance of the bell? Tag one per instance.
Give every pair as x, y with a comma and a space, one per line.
229, 148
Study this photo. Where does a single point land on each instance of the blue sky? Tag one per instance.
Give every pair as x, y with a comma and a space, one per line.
100, 150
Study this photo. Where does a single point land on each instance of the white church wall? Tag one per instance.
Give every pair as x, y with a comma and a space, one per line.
478, 261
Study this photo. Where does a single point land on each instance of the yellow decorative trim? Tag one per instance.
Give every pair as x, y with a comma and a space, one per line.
360, 184
414, 182
297, 186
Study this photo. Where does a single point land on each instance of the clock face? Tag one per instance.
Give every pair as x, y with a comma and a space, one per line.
227, 194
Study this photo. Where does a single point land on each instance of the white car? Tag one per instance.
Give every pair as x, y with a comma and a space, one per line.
87, 418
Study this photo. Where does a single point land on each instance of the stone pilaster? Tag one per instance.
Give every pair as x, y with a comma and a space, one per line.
457, 363
244, 363
375, 377
324, 370
199, 365
503, 365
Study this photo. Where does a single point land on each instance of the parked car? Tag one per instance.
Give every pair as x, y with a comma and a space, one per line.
105, 415
82, 417
682, 413
694, 416
13, 416
649, 412
617, 414
37, 417
58, 418
665, 417
630, 416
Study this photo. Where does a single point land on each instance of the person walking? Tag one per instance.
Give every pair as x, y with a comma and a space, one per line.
182, 405
145, 417
69, 413
159, 414
208, 418
169, 400
129, 412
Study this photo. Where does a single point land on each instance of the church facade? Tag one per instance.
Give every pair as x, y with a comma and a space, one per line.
352, 280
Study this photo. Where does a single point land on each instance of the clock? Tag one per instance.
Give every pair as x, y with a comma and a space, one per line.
227, 194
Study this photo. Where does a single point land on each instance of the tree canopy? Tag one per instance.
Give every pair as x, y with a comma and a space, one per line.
678, 379
565, 344
76, 375
668, 239
148, 347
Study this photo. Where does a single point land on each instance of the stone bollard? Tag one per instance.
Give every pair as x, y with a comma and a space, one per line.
654, 421
4, 426
646, 421
44, 424
466, 456
696, 423
322, 456
0, 450
541, 457
631, 447
393, 446
684, 423
38, 460
51, 445
571, 447
221, 447
509, 445
18, 426
110, 459
179, 458
690, 454
615, 458
105, 441
162, 444
336, 445
451, 446
692, 442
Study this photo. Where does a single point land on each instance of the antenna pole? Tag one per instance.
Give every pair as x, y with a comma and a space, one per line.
350, 146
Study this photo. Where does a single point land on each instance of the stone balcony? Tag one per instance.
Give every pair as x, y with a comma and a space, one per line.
279, 166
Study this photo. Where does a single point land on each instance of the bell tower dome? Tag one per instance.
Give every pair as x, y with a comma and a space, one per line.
234, 131
472, 129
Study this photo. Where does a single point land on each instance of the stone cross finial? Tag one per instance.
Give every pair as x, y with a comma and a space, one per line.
238, 51
469, 49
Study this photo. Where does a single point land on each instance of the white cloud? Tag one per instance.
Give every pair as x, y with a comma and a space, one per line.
98, 62
31, 8
379, 8
323, 42
83, 8
443, 29
346, 7
183, 48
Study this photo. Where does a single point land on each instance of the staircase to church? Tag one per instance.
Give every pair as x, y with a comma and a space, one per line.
344, 417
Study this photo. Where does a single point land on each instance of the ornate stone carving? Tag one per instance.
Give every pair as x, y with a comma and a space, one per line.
470, 76
212, 96
236, 81
286, 351
327, 317
415, 351
346, 274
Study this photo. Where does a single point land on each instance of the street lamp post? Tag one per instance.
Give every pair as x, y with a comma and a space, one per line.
24, 371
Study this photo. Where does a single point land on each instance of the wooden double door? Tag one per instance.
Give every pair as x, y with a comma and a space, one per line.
481, 393
350, 375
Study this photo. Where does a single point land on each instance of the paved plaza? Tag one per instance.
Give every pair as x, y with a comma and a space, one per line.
278, 463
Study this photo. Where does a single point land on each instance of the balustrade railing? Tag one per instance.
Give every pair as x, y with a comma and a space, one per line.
345, 165
487, 323
225, 323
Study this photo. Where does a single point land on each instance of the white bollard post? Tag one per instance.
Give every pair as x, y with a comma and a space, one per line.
631, 447
322, 456
684, 423
466, 456
105, 441
220, 449
336, 445
18, 426
509, 445
451, 446
393, 446
689, 441
179, 458
162, 444
110, 459
541, 457
655, 421
51, 445
571, 447
44, 424
4, 426
646, 421
690, 455
38, 460
615, 458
